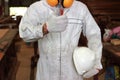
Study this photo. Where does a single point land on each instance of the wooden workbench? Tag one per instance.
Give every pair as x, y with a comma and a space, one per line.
8, 58
111, 53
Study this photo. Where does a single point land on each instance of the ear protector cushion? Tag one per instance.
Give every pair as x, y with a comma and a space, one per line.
52, 2
65, 3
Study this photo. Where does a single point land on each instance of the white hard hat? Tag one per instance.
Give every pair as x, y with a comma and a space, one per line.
84, 59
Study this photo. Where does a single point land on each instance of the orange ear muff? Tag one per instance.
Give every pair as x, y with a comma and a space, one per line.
67, 3
52, 2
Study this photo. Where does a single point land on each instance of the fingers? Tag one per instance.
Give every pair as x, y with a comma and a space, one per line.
90, 73
62, 19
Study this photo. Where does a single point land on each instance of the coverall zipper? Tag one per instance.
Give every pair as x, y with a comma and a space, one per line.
60, 54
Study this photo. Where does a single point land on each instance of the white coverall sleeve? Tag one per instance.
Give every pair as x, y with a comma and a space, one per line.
93, 35
30, 28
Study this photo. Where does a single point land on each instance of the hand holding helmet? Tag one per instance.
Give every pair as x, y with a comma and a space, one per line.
91, 73
56, 23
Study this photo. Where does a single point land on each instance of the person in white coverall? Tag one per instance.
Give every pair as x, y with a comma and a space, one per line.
58, 36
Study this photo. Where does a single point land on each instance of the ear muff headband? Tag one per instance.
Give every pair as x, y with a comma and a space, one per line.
65, 3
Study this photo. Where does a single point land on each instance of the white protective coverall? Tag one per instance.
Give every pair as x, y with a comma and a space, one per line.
56, 49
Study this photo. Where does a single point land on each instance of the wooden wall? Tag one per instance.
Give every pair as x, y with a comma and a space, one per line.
19, 3
105, 7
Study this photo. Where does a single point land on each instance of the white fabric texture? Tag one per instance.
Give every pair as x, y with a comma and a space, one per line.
56, 23
56, 49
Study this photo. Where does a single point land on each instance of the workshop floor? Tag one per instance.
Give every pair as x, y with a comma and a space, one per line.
24, 54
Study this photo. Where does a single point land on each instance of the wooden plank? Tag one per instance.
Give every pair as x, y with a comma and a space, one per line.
112, 49
1, 55
3, 32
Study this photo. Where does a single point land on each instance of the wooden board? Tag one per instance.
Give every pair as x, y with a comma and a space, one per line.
3, 32
1, 55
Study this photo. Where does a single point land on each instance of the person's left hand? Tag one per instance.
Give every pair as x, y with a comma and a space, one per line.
95, 70
91, 73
